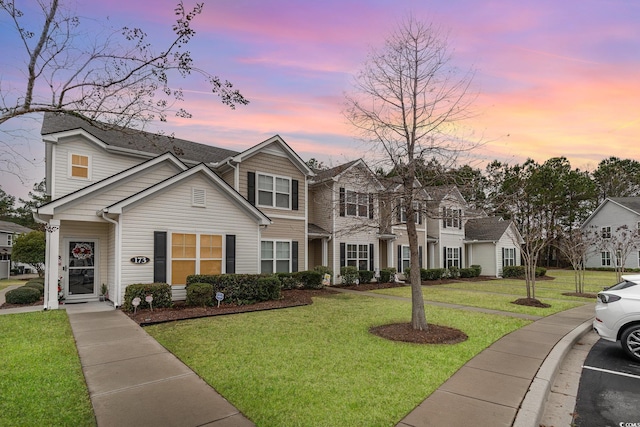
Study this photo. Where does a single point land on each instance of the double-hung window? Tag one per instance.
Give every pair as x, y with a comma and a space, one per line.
357, 204
406, 257
9, 239
79, 166
606, 259
274, 191
194, 254
453, 257
509, 257
606, 232
358, 256
275, 257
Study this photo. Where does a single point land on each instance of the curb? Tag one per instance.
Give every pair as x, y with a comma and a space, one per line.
534, 401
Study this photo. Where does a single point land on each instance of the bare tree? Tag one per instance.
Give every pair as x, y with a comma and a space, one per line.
407, 101
619, 244
114, 77
574, 245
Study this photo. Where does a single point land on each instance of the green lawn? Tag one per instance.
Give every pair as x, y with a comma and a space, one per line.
41, 380
9, 282
319, 366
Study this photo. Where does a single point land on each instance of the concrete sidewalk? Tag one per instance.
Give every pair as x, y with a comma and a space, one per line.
134, 381
507, 384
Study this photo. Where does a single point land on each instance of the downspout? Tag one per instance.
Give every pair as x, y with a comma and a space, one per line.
117, 267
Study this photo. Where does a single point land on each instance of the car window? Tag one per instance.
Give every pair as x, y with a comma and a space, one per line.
622, 285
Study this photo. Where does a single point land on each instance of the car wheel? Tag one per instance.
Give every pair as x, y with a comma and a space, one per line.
630, 341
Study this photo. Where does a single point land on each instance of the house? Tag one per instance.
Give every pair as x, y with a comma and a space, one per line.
492, 243
8, 232
605, 221
132, 207
345, 218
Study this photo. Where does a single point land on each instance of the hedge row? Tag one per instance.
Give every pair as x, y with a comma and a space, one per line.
161, 293
518, 271
22, 295
240, 288
427, 274
351, 274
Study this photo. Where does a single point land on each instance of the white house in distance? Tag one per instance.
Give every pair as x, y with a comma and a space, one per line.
613, 213
492, 243
8, 232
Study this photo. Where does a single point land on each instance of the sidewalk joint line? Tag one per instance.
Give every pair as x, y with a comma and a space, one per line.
106, 393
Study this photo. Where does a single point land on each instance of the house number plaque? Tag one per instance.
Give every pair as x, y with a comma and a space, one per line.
140, 260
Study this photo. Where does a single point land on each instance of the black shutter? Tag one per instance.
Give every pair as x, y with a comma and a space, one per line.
230, 265
294, 256
444, 256
460, 218
294, 194
420, 255
343, 254
503, 257
160, 256
343, 201
444, 217
251, 187
419, 213
399, 258
399, 212
460, 258
371, 267
370, 206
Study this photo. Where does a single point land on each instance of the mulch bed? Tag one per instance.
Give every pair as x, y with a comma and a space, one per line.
531, 302
435, 334
7, 305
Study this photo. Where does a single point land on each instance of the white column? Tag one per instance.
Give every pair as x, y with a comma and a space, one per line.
325, 251
390, 253
52, 255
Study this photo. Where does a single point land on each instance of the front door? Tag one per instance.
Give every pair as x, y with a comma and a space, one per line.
81, 269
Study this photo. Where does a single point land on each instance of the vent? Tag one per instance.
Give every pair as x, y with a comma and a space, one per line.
198, 197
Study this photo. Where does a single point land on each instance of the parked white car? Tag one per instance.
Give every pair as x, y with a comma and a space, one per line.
618, 314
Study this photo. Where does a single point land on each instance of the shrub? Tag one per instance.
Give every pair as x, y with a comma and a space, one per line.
200, 294
22, 295
386, 274
323, 269
37, 280
241, 288
453, 272
365, 276
467, 273
478, 269
310, 279
513, 271
289, 281
35, 285
349, 275
161, 295
541, 272
432, 273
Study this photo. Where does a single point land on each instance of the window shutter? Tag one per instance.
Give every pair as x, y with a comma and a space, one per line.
294, 256
399, 212
460, 258
502, 257
343, 201
444, 256
370, 206
419, 213
251, 187
444, 217
294, 194
399, 258
420, 255
371, 267
230, 264
460, 219
343, 254
160, 256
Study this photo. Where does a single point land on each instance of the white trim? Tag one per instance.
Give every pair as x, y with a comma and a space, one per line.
70, 166
275, 251
295, 158
197, 258
96, 268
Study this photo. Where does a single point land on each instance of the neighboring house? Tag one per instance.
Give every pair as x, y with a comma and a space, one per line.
8, 233
613, 213
393, 227
492, 243
345, 219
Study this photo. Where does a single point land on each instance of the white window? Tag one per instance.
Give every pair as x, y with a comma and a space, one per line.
606, 232
79, 166
509, 257
406, 257
274, 191
358, 256
452, 218
194, 254
357, 204
606, 258
275, 257
416, 213
453, 257
9, 239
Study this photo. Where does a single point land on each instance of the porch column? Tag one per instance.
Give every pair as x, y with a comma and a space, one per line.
51, 266
390, 253
325, 251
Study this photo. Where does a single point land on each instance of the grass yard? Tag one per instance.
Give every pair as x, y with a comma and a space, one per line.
41, 380
319, 366
4, 283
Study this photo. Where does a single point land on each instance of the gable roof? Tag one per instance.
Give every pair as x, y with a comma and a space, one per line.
227, 190
276, 139
490, 228
48, 208
440, 192
13, 228
629, 203
336, 172
126, 139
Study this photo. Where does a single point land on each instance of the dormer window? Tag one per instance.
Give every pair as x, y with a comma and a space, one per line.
79, 166
452, 218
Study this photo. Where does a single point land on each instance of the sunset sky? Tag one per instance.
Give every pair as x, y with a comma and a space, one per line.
554, 78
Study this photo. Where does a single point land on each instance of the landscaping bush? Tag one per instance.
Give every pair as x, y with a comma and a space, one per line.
467, 273
289, 281
241, 288
478, 269
518, 271
349, 275
323, 269
387, 274
453, 272
199, 294
37, 280
310, 279
432, 273
541, 272
161, 295
22, 295
35, 285
365, 276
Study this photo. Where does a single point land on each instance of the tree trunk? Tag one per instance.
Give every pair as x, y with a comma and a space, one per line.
418, 316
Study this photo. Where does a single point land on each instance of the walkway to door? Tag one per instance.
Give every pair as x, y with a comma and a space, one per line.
134, 381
